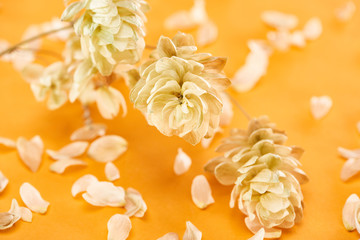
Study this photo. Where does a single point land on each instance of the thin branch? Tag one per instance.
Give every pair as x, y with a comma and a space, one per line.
237, 104
14, 47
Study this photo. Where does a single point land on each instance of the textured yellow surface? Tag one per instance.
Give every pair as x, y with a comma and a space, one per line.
329, 65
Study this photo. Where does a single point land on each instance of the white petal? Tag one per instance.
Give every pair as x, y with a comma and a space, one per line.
8, 219
191, 232
119, 227
320, 106
207, 33
358, 126
346, 11
111, 171
71, 150
313, 29
7, 143
182, 162
32, 198
169, 236
279, 20
227, 110
135, 204
108, 100
82, 184
89, 132
351, 168
107, 148
30, 152
205, 142
26, 214
104, 194
61, 165
348, 213
298, 39
201, 192
180, 20
3, 182
346, 153
259, 235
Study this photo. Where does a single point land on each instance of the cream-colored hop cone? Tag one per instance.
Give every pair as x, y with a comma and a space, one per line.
178, 90
265, 176
111, 31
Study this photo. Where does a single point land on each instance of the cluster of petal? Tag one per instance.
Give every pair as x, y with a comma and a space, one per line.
265, 176
52, 81
178, 91
111, 31
9, 218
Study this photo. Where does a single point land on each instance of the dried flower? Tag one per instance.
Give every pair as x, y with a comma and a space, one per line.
266, 176
179, 90
111, 31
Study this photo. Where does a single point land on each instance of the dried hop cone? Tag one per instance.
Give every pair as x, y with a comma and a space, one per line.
265, 175
111, 31
178, 89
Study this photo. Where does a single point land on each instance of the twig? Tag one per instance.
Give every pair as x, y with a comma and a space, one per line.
237, 104
14, 47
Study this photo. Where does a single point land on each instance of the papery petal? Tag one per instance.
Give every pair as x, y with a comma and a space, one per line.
89, 132
26, 214
135, 204
61, 165
201, 192
71, 150
119, 227
32, 198
207, 33
346, 11
279, 20
7, 143
82, 184
169, 236
30, 152
111, 171
346, 153
107, 148
350, 169
313, 29
348, 212
182, 162
259, 235
191, 232
3, 182
320, 106
104, 194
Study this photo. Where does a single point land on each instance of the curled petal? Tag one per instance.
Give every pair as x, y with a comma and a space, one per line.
350, 168
82, 184
89, 132
30, 151
320, 106
348, 212
191, 232
259, 235
7, 143
169, 236
107, 148
71, 150
119, 227
201, 192
312, 29
3, 182
135, 204
32, 198
111, 171
227, 111
104, 194
7, 220
182, 162
61, 165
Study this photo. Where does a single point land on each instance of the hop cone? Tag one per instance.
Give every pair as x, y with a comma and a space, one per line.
265, 175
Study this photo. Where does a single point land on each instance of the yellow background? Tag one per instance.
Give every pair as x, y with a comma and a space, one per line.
329, 65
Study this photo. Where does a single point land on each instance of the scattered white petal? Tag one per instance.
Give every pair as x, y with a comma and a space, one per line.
71, 150
104, 194
32, 198
169, 236
3, 182
135, 204
182, 162
119, 227
320, 106
30, 152
201, 192
280, 40
227, 110
279, 20
298, 39
207, 33
26, 214
313, 29
7, 143
348, 212
107, 148
255, 67
346, 153
346, 11
191, 232
89, 132
351, 168
206, 142
108, 101
259, 235
8, 219
111, 171
82, 184
61, 165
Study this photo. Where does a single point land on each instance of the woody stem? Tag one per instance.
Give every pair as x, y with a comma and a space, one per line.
237, 104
